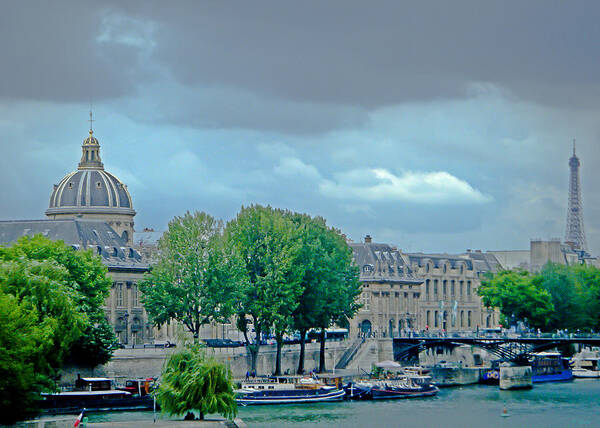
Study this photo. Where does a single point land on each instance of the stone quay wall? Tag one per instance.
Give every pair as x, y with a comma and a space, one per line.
515, 377
141, 363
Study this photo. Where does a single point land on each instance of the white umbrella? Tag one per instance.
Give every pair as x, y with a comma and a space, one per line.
388, 365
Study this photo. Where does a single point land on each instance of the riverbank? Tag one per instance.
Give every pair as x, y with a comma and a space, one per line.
208, 423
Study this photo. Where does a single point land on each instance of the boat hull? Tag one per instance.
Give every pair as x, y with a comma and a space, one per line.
61, 407
357, 392
554, 377
381, 393
295, 396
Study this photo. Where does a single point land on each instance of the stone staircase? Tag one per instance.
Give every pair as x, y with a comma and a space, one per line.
365, 356
350, 353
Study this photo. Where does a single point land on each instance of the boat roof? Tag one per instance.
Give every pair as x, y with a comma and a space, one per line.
79, 393
96, 379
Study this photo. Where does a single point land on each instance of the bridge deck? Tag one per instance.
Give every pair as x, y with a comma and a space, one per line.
505, 348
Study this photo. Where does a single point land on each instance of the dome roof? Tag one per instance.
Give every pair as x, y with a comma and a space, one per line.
90, 189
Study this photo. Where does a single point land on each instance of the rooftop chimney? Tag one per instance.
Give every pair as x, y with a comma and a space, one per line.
368, 239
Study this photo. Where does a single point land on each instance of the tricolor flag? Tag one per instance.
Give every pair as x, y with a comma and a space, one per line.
78, 420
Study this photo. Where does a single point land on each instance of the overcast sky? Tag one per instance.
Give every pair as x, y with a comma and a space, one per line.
435, 126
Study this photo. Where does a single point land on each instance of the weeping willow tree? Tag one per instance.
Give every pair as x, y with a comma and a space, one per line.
193, 382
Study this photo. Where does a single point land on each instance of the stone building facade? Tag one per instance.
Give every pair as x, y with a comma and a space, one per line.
404, 292
390, 291
449, 301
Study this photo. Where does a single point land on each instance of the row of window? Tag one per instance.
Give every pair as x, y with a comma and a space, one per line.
121, 295
461, 288
463, 319
365, 298
445, 268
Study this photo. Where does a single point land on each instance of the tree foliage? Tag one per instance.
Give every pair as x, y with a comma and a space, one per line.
195, 280
557, 297
515, 293
85, 274
192, 382
268, 244
330, 281
39, 323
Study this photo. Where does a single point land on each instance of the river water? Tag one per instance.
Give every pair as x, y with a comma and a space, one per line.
565, 405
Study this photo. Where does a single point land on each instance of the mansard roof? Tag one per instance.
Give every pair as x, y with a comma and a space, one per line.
473, 260
382, 262
80, 234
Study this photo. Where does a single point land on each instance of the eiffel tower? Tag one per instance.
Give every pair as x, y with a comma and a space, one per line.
575, 235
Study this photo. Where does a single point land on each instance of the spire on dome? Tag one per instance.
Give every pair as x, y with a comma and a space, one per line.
92, 120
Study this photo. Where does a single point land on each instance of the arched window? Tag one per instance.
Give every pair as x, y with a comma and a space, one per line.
445, 267
365, 327
469, 318
427, 288
125, 236
428, 318
468, 288
452, 288
444, 287
462, 319
435, 287
436, 321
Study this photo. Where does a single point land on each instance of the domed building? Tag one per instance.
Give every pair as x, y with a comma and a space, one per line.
93, 193
91, 208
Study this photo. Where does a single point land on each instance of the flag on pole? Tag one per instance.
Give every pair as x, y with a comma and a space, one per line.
78, 420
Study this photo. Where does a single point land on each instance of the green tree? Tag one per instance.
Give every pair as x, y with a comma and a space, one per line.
191, 382
588, 282
39, 323
330, 282
195, 280
268, 244
565, 292
515, 293
87, 276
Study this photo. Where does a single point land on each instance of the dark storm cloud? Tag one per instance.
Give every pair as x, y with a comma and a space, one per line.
294, 57
50, 51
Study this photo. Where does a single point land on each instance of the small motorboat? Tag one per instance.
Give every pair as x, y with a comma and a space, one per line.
586, 367
410, 386
406, 386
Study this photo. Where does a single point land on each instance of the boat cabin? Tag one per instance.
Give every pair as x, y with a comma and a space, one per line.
282, 383
140, 387
93, 383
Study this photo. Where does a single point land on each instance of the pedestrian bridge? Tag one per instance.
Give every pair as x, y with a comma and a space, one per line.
513, 349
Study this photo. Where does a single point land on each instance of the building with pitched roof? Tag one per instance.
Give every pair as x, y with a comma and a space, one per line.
415, 291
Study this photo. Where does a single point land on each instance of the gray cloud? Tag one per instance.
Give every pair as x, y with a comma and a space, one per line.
211, 105
314, 66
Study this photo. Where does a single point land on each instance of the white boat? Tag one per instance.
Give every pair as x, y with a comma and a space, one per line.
585, 373
586, 367
287, 390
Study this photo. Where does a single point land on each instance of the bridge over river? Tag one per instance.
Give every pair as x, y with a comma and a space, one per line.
510, 349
